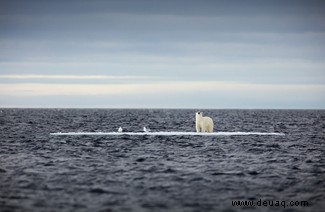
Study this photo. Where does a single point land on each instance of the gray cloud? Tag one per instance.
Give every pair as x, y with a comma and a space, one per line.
275, 42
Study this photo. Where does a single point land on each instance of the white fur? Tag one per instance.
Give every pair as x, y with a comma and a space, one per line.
203, 123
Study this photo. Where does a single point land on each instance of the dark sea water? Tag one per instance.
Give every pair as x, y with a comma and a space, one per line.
40, 172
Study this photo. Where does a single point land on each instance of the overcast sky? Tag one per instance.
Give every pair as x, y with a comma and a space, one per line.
162, 54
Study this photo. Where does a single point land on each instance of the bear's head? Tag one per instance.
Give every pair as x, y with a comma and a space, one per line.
198, 114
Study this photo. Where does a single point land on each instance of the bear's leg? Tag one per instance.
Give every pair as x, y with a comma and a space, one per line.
201, 128
205, 128
197, 128
210, 129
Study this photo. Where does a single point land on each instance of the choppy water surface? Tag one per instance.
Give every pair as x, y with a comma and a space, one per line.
39, 172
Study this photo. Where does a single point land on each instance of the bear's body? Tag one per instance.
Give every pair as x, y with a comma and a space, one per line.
203, 123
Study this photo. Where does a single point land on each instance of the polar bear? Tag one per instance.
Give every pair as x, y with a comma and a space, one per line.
203, 123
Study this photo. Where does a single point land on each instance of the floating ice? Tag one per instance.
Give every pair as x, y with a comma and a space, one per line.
173, 133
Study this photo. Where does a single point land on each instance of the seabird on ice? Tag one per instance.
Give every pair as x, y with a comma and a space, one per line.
146, 129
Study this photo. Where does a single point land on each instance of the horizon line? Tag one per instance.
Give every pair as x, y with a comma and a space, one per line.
157, 108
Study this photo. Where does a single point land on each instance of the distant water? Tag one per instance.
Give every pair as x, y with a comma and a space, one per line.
39, 172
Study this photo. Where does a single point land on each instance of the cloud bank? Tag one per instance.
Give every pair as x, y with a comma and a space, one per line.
248, 54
